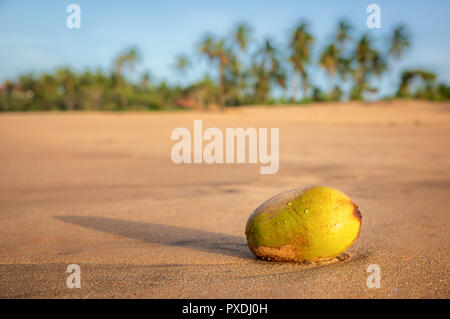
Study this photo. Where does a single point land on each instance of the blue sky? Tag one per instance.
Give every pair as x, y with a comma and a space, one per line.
34, 36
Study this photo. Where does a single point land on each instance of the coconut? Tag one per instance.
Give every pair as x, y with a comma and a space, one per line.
304, 225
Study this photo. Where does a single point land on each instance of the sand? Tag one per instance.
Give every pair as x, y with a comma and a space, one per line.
100, 190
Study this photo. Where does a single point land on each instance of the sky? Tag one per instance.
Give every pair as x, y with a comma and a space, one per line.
34, 36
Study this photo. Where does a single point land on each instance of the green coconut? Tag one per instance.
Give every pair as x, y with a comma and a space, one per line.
303, 225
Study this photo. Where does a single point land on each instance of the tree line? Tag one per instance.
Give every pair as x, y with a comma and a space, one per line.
244, 75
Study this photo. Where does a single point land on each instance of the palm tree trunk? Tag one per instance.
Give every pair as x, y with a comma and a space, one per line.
304, 86
221, 85
331, 83
295, 87
120, 85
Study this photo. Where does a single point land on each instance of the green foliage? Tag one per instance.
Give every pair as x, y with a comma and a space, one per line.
67, 90
369, 63
425, 78
243, 74
420, 84
182, 63
266, 70
300, 46
400, 41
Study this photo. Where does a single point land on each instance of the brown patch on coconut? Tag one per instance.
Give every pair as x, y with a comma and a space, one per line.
356, 212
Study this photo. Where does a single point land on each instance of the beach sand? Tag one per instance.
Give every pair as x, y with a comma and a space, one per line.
100, 190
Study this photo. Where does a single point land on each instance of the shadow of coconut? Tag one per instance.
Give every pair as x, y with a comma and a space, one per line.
221, 244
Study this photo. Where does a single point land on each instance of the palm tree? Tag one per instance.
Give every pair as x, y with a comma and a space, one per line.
342, 37
333, 58
126, 60
267, 70
217, 51
329, 60
369, 62
300, 45
343, 34
241, 35
399, 42
182, 63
